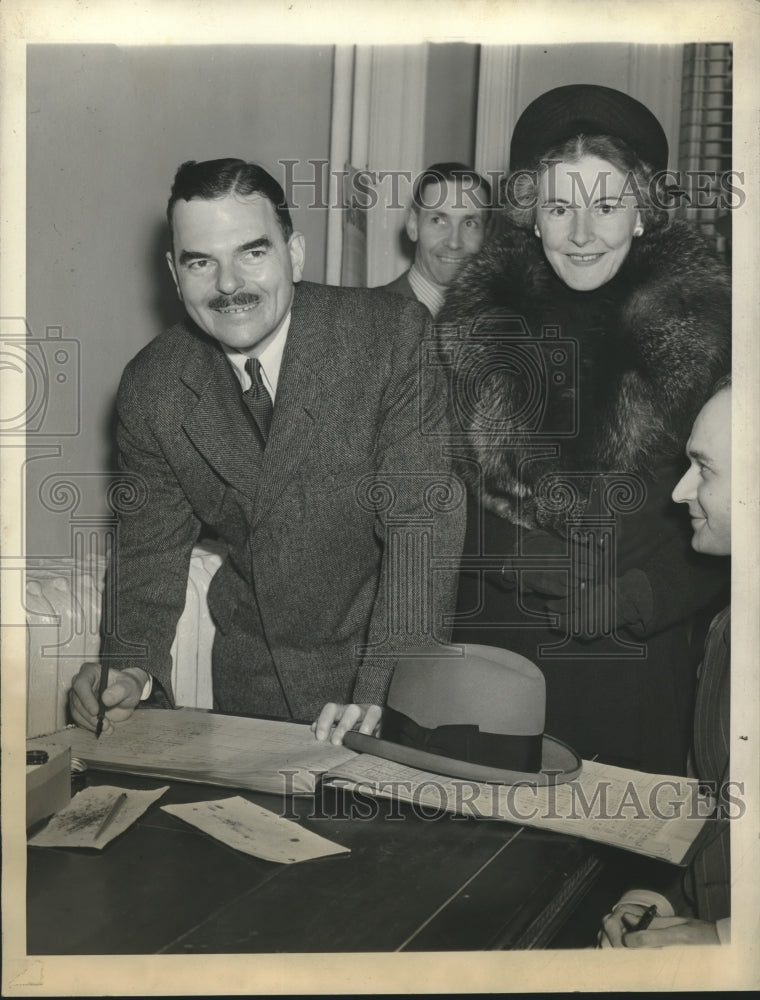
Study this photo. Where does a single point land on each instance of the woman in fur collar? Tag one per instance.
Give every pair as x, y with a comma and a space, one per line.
582, 343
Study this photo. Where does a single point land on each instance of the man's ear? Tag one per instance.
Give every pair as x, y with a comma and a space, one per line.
297, 250
173, 269
411, 225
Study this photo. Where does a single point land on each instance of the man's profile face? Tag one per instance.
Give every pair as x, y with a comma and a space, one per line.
233, 268
706, 485
448, 227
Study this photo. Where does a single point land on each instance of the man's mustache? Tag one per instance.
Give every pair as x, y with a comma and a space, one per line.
232, 301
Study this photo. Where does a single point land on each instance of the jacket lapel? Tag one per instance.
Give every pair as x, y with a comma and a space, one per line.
217, 422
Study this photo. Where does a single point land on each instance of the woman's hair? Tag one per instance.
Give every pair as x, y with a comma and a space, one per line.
521, 193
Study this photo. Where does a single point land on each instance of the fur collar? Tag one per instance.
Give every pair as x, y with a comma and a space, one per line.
608, 380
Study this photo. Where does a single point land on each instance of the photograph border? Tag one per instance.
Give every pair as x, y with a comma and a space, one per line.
734, 966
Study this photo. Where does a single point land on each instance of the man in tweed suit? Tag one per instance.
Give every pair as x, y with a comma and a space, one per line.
706, 488
300, 424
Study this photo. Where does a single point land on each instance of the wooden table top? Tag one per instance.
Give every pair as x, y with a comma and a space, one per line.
410, 883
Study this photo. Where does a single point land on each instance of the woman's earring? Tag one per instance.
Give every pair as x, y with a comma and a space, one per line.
638, 231
535, 230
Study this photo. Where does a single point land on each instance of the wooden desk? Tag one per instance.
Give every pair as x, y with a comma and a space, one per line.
414, 884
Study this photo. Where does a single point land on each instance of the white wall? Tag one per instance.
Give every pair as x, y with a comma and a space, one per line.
107, 128
513, 76
451, 103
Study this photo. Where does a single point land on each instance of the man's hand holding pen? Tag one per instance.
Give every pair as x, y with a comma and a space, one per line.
662, 932
636, 926
118, 699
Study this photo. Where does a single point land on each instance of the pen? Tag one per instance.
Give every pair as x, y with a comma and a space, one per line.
101, 707
645, 919
111, 814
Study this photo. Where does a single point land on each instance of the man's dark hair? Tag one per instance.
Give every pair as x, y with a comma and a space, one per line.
216, 178
439, 173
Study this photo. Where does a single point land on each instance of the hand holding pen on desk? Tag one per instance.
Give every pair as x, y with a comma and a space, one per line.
101, 697
633, 925
642, 922
102, 685
625, 919
662, 932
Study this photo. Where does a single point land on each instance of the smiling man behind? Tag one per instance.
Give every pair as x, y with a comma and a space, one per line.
286, 418
447, 221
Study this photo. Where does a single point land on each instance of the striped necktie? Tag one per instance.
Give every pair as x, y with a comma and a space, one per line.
257, 398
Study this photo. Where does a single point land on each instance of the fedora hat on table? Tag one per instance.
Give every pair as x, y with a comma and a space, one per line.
477, 714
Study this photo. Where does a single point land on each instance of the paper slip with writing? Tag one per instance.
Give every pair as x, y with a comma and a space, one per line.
207, 748
250, 828
653, 814
78, 824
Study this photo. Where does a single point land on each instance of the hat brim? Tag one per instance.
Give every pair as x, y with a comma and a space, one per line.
559, 763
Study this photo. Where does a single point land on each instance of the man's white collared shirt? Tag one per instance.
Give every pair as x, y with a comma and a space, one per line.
270, 360
428, 292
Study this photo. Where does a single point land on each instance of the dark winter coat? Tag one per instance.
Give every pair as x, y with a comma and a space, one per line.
620, 381
573, 411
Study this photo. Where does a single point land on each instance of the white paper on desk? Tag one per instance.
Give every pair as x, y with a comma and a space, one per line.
653, 814
78, 824
186, 745
250, 828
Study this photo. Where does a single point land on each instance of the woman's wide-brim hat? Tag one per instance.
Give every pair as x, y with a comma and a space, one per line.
588, 109
472, 712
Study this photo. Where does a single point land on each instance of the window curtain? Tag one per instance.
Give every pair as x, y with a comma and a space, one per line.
377, 128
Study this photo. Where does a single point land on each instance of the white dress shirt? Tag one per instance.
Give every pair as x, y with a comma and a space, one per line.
428, 292
270, 359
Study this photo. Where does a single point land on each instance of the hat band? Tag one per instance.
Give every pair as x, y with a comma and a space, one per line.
465, 742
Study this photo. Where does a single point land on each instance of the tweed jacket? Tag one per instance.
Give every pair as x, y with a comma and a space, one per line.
308, 603
400, 286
